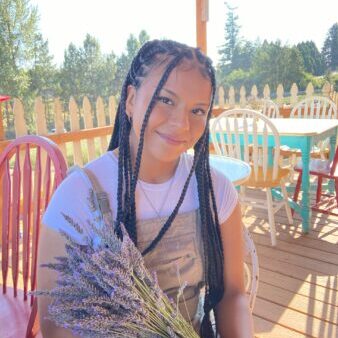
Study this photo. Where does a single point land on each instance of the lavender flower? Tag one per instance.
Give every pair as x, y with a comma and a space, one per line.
105, 290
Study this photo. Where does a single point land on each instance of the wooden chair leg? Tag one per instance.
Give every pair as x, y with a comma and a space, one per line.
297, 189
33, 326
287, 206
319, 189
271, 217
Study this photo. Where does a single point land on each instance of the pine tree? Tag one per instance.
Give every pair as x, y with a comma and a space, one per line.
330, 48
231, 37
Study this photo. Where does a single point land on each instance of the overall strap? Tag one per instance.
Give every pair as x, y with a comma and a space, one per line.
101, 197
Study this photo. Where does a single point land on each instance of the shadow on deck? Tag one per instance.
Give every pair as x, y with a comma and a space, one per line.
298, 290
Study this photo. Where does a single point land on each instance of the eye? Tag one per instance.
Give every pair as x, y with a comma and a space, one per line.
199, 111
165, 100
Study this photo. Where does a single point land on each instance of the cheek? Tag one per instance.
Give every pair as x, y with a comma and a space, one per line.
197, 128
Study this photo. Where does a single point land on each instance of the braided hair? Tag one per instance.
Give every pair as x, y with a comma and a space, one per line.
171, 54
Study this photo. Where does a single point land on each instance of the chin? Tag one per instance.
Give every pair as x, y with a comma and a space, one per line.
168, 156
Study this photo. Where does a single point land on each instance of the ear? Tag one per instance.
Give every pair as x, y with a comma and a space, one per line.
130, 102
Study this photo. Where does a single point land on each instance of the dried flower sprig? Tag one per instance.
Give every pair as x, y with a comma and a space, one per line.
104, 289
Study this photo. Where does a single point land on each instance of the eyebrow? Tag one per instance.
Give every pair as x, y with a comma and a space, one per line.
175, 95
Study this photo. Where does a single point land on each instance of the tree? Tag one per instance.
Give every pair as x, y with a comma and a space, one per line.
71, 76
330, 48
313, 60
43, 81
86, 71
18, 32
274, 64
123, 62
243, 55
231, 38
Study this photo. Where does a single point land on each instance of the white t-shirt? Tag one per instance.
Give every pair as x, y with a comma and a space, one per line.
71, 197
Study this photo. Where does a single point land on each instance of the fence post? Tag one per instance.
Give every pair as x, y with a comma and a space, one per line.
19, 118
280, 94
88, 124
75, 126
101, 122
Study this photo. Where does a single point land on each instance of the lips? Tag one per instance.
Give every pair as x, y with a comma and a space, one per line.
171, 139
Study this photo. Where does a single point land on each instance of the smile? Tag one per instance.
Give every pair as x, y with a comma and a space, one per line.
171, 140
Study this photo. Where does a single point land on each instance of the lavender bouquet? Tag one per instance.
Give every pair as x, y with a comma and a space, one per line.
104, 289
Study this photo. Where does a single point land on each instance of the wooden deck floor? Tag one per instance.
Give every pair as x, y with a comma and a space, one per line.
298, 287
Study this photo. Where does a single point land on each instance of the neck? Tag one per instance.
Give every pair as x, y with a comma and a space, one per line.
156, 171
153, 170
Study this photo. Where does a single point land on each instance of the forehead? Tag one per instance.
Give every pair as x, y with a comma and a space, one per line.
186, 80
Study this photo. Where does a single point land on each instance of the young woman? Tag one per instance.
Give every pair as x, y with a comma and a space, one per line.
183, 215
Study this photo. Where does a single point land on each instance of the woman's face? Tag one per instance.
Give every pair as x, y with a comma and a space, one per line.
179, 116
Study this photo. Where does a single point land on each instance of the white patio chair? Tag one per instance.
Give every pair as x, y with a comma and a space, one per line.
244, 134
316, 107
251, 271
270, 109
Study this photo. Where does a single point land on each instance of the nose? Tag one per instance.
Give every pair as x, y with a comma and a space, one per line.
180, 119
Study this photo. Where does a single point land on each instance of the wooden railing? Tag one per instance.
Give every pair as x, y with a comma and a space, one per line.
80, 145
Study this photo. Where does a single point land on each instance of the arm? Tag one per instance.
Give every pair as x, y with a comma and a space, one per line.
233, 314
51, 244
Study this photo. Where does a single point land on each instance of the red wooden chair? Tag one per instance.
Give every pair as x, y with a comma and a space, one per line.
31, 167
322, 169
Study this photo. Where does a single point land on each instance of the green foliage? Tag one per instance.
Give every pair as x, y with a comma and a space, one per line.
330, 48
312, 59
123, 62
317, 81
231, 39
43, 81
86, 71
18, 28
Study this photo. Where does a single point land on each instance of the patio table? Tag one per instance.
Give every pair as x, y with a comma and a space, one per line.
303, 134
235, 170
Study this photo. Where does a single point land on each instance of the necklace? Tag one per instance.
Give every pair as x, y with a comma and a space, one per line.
158, 212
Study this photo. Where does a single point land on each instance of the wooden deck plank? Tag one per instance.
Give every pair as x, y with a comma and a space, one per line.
297, 238
317, 230
306, 252
297, 272
294, 320
300, 303
264, 328
296, 286
312, 265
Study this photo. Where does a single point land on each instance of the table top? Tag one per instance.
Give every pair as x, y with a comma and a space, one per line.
301, 127
237, 171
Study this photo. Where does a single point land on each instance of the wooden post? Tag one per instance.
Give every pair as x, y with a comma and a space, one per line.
202, 13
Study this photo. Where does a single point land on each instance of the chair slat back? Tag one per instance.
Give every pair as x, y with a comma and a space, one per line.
270, 109
316, 107
250, 136
28, 167
252, 277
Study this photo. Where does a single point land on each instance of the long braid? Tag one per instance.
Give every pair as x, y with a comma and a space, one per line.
151, 105
171, 53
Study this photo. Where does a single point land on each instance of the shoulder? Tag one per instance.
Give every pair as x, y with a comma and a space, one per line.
71, 198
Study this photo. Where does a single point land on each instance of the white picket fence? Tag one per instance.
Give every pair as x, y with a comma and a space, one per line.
79, 144
228, 100
82, 145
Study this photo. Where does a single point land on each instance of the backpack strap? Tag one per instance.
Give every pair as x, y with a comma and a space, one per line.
101, 196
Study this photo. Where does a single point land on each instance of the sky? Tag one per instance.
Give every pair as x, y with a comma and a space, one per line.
112, 21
